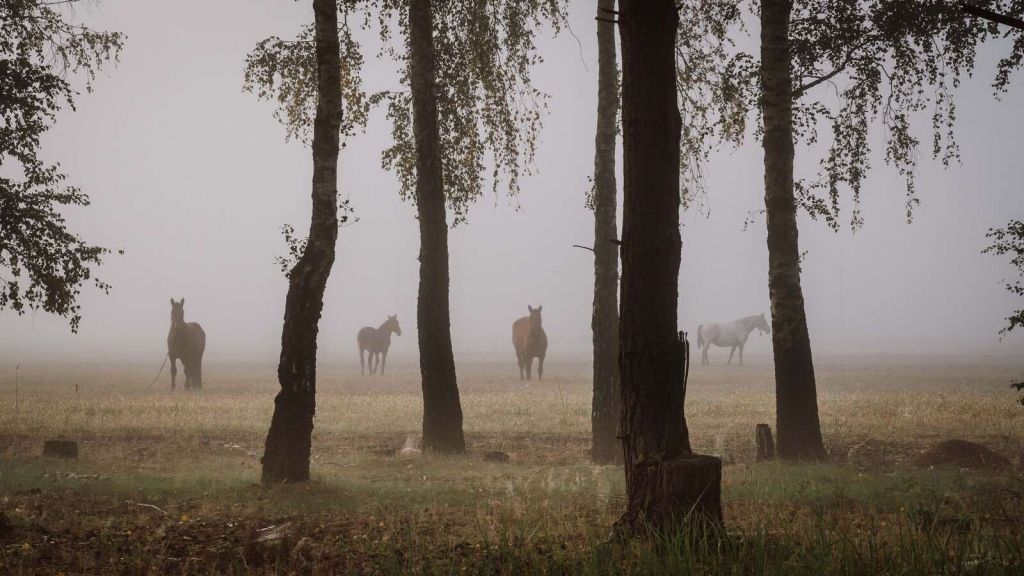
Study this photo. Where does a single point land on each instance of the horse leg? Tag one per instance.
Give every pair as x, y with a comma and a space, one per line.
188, 375
372, 356
741, 354
383, 362
362, 360
519, 360
540, 367
174, 372
197, 378
528, 360
704, 355
731, 352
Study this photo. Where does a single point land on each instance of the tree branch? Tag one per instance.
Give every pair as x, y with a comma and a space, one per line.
800, 90
993, 16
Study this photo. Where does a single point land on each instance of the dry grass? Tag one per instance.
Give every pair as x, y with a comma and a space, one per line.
195, 456
897, 401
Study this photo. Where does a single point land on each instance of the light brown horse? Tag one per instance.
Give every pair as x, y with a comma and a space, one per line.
377, 341
530, 342
188, 342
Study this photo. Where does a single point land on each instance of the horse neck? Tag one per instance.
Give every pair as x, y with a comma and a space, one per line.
748, 323
385, 330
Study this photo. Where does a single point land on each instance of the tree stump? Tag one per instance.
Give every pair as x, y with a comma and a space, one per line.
692, 485
765, 443
67, 449
496, 457
684, 492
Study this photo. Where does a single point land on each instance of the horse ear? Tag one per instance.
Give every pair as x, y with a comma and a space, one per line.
182, 301
539, 308
173, 302
530, 308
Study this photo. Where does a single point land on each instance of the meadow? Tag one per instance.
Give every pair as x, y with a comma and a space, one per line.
168, 482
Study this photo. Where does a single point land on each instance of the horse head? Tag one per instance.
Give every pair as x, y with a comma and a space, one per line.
392, 324
177, 311
761, 323
536, 324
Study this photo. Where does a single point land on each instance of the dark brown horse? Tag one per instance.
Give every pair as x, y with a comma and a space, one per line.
188, 342
377, 341
530, 342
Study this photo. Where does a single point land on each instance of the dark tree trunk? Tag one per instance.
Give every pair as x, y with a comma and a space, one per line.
607, 401
442, 411
799, 433
664, 480
286, 453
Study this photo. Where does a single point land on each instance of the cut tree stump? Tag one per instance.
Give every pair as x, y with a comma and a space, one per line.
691, 485
67, 449
496, 457
765, 443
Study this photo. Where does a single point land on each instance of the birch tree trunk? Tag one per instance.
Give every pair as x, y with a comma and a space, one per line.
799, 432
442, 410
665, 482
607, 402
287, 448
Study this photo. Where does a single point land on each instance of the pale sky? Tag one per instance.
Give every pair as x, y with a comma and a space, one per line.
193, 179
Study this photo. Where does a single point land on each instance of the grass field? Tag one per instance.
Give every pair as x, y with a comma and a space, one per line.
168, 482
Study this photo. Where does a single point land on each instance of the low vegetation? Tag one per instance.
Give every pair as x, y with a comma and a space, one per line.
169, 483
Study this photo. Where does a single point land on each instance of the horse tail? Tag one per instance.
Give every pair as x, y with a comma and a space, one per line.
700, 336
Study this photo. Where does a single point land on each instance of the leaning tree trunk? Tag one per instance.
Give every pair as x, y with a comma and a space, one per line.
286, 453
796, 402
607, 402
442, 411
665, 482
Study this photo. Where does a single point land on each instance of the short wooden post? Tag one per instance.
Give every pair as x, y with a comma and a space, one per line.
765, 443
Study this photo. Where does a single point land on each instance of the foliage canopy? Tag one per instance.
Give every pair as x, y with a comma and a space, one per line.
855, 64
489, 112
41, 51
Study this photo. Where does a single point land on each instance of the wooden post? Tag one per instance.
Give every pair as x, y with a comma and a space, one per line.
765, 443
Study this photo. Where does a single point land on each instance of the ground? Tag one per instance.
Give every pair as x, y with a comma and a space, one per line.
168, 481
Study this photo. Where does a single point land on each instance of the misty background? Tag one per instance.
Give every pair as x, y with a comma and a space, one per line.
192, 177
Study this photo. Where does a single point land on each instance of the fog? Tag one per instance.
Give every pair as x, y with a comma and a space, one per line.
193, 178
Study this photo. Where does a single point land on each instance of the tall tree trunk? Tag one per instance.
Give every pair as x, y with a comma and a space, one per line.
607, 402
664, 480
799, 432
286, 453
442, 410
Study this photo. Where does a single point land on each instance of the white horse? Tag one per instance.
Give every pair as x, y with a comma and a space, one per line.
732, 335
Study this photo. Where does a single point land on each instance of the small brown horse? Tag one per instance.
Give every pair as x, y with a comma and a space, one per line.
188, 342
377, 341
530, 342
